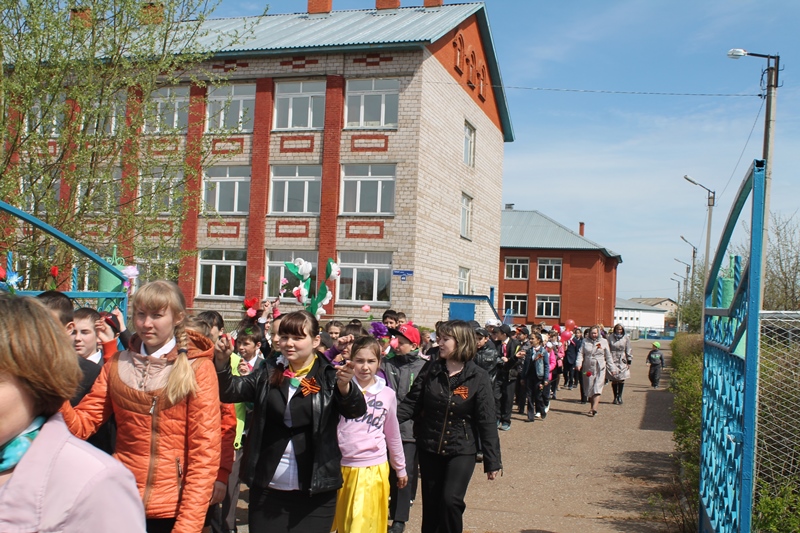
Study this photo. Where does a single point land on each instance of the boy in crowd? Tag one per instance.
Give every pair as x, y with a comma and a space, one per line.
389, 318
511, 365
656, 361
401, 318
401, 366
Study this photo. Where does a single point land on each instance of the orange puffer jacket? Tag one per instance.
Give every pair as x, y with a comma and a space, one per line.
172, 450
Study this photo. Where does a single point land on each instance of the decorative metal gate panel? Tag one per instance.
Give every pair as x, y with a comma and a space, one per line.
102, 300
730, 374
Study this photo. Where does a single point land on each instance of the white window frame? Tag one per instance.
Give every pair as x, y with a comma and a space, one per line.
278, 263
235, 265
157, 180
224, 101
115, 116
111, 194
369, 264
466, 216
550, 305
34, 121
519, 267
172, 102
552, 268
308, 181
313, 95
348, 181
361, 94
464, 275
239, 191
165, 268
469, 144
518, 303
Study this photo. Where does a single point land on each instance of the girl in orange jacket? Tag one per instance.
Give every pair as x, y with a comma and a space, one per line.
163, 392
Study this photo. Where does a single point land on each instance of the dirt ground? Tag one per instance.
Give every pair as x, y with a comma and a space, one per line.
572, 473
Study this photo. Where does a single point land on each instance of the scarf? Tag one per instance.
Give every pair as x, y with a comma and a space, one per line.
11, 452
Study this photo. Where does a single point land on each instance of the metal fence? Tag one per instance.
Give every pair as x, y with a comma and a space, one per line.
778, 427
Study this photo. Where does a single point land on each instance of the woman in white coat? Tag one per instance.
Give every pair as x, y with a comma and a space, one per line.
593, 359
621, 354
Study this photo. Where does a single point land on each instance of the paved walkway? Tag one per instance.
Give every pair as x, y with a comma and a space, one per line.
572, 473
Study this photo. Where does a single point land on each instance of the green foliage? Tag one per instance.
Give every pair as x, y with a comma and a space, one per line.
777, 510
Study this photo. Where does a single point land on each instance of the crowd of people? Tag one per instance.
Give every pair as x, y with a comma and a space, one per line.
332, 428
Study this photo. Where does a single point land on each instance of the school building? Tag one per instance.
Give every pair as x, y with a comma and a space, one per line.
549, 273
373, 137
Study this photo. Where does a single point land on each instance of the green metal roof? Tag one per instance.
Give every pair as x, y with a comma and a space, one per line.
356, 30
532, 229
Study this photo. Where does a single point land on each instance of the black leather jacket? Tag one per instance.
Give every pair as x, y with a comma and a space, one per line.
446, 423
487, 358
327, 405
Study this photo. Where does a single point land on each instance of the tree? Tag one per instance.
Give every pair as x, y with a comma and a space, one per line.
90, 97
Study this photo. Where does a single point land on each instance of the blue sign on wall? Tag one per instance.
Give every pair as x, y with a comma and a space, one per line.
402, 273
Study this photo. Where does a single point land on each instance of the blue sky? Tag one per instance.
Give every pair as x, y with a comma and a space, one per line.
617, 161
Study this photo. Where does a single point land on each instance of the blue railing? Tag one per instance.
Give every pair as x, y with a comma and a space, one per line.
730, 373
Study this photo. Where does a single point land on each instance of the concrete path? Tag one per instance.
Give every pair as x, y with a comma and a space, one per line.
572, 473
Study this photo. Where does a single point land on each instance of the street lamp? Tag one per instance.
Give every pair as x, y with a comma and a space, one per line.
686, 277
694, 259
678, 318
712, 196
773, 68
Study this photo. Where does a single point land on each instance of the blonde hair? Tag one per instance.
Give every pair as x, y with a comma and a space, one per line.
162, 294
35, 349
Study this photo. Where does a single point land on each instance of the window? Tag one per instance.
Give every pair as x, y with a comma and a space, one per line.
300, 105
463, 280
550, 269
548, 306
102, 195
46, 116
517, 268
471, 70
458, 53
466, 216
231, 107
517, 303
161, 190
276, 271
482, 82
296, 189
368, 189
222, 272
227, 189
40, 194
107, 116
372, 103
366, 277
168, 111
160, 263
469, 144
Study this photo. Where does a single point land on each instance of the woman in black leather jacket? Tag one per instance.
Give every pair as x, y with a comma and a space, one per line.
451, 403
291, 460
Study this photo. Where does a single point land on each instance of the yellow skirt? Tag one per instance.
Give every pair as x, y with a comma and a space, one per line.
362, 504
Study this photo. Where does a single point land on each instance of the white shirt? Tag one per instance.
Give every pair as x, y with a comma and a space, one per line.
95, 357
161, 352
286, 476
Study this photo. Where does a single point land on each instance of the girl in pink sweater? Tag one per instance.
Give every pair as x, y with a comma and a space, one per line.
362, 505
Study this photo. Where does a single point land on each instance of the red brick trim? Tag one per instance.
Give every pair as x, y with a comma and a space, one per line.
169, 231
216, 229
165, 145
298, 62
373, 60
281, 228
230, 146
361, 143
230, 65
295, 143
351, 229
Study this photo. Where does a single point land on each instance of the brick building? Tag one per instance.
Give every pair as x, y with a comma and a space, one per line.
374, 137
549, 273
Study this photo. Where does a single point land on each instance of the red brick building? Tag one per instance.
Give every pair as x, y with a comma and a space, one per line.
550, 273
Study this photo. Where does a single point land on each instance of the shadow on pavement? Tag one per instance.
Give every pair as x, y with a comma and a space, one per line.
657, 415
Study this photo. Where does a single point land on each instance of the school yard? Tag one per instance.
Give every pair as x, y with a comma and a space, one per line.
576, 474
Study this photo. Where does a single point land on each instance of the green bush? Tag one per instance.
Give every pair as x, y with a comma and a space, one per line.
777, 510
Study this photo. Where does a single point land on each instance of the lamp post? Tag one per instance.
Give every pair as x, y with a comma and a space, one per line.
773, 68
686, 277
694, 259
678, 318
712, 198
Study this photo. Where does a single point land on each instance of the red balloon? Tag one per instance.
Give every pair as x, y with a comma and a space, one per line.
570, 324
566, 336
557, 328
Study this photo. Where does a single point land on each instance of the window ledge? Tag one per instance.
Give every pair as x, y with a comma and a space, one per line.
468, 239
218, 297
223, 133
293, 215
224, 215
370, 128
351, 303
296, 130
367, 215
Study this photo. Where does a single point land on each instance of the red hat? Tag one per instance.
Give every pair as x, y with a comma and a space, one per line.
408, 331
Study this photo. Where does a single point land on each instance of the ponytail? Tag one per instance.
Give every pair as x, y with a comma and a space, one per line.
181, 382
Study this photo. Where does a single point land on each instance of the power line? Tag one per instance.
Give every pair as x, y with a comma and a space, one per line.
744, 148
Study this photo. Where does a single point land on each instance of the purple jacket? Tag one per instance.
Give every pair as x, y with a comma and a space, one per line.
67, 485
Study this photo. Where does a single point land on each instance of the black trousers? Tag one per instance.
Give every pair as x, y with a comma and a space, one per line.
444, 485
228, 510
535, 399
160, 525
579, 375
520, 395
400, 503
278, 511
655, 375
505, 389
617, 387
569, 374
